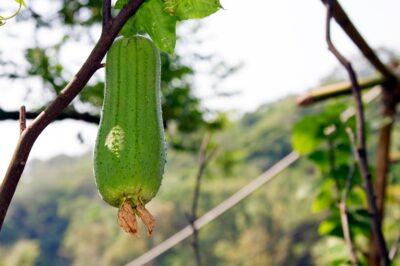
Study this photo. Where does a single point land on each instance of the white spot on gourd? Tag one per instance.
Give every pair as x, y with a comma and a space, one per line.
115, 140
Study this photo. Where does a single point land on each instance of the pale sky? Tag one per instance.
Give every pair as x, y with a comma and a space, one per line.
280, 43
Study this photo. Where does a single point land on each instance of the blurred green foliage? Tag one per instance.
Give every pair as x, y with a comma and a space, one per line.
324, 139
291, 221
57, 205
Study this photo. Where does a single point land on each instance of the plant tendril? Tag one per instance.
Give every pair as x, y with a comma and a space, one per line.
3, 19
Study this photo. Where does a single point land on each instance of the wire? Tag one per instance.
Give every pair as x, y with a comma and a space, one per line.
216, 211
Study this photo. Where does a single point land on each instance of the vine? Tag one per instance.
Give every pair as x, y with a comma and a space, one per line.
21, 4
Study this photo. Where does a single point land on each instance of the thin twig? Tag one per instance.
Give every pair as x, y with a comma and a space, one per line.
345, 219
347, 185
202, 164
3, 19
395, 249
204, 158
341, 199
66, 96
361, 153
102, 65
346, 233
350, 133
332, 166
22, 119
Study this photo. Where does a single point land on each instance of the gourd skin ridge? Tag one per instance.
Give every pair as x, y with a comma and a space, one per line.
129, 155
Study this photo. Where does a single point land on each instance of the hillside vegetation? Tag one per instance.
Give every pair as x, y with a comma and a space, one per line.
58, 217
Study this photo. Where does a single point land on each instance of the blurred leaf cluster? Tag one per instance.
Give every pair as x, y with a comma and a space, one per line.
324, 139
58, 207
291, 221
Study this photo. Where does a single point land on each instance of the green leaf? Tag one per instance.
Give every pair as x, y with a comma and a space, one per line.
190, 9
331, 226
357, 197
333, 110
158, 18
324, 200
321, 159
307, 135
120, 4
327, 227
152, 19
360, 222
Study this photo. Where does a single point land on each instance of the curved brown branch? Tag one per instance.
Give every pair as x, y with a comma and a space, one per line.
361, 151
32, 132
344, 21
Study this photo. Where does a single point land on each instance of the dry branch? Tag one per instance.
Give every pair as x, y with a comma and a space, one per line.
391, 97
361, 150
375, 221
345, 220
341, 201
66, 114
346, 233
335, 90
348, 27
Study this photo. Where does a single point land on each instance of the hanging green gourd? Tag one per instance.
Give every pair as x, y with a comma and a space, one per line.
129, 155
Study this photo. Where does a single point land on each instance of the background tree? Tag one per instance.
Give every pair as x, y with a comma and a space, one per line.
75, 23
